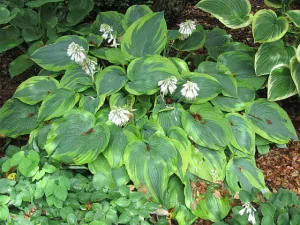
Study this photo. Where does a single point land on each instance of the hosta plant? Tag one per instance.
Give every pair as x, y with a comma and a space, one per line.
276, 31
126, 113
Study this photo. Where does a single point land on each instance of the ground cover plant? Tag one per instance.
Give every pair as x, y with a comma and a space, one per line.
119, 130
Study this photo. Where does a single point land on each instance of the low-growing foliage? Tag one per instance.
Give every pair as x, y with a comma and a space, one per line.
183, 139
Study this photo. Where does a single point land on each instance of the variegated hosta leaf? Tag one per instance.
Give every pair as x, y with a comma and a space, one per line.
294, 16
91, 104
146, 36
110, 80
295, 71
208, 164
150, 165
274, 3
119, 99
243, 134
242, 173
145, 73
76, 138
232, 13
216, 37
194, 42
181, 65
111, 18
17, 118
135, 12
115, 56
298, 53
241, 65
79, 9
271, 121
246, 94
280, 83
148, 128
222, 74
206, 200
57, 104
267, 27
206, 126
54, 57
270, 55
35, 89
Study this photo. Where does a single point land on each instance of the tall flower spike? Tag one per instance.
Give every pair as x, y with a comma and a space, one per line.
186, 28
76, 52
119, 116
89, 66
190, 90
249, 209
168, 85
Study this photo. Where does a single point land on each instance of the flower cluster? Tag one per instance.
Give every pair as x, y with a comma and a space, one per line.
186, 29
119, 116
190, 90
107, 34
249, 209
78, 55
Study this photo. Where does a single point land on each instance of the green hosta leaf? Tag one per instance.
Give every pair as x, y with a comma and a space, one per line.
32, 33
241, 65
4, 212
135, 12
38, 3
146, 36
270, 55
78, 10
35, 89
19, 65
115, 56
76, 79
150, 165
175, 195
222, 74
181, 65
274, 3
9, 38
121, 100
110, 80
246, 94
111, 18
91, 104
243, 133
208, 164
242, 173
194, 42
271, 121
294, 16
6, 15
116, 146
77, 139
280, 83
232, 13
263, 149
54, 57
210, 203
206, 126
57, 104
295, 72
267, 27
17, 118
26, 18
217, 37
145, 73
298, 53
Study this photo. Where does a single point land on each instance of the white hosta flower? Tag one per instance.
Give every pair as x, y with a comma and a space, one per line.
106, 30
249, 209
190, 90
119, 116
76, 52
89, 66
168, 85
186, 28
113, 39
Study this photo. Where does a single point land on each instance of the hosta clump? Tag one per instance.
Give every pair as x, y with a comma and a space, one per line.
184, 139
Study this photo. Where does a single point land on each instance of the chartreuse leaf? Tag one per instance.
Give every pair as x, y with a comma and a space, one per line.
294, 16
232, 13
243, 133
146, 36
210, 202
135, 12
270, 55
295, 72
222, 74
145, 73
246, 94
150, 165
242, 173
271, 121
78, 10
77, 139
54, 57
35, 89
17, 118
110, 80
280, 83
57, 104
267, 27
19, 65
208, 164
206, 126
241, 65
